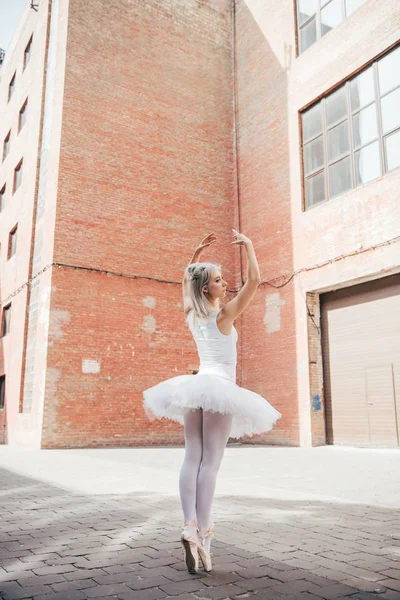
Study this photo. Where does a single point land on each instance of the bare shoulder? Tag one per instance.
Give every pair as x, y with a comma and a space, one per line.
237, 305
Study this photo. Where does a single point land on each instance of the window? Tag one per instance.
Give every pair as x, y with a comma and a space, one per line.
2, 198
2, 391
11, 87
27, 53
316, 17
6, 321
17, 176
352, 136
12, 242
6, 145
22, 115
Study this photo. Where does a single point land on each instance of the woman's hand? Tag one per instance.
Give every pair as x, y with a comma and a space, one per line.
210, 239
240, 238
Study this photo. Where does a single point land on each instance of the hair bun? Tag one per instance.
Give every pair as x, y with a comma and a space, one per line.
195, 271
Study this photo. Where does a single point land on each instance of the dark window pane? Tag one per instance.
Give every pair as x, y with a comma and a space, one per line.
365, 127
308, 35
314, 155
315, 189
17, 177
352, 5
6, 146
390, 107
27, 54
336, 106
338, 141
11, 87
312, 122
340, 177
307, 8
392, 150
2, 198
389, 71
367, 162
331, 15
22, 115
13, 243
6, 320
2, 390
362, 89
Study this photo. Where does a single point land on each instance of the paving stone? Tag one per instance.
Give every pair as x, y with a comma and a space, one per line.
106, 590
153, 580
267, 594
254, 572
365, 586
256, 584
219, 592
389, 595
78, 584
40, 580
334, 591
83, 574
28, 592
54, 569
218, 578
365, 596
174, 589
151, 594
292, 587
184, 597
392, 584
74, 595
302, 596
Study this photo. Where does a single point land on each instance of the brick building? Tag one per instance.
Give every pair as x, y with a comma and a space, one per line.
132, 128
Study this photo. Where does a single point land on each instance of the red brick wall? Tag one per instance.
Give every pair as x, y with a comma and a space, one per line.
146, 171
109, 321
268, 333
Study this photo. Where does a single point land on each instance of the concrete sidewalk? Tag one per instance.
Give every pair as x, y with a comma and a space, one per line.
291, 523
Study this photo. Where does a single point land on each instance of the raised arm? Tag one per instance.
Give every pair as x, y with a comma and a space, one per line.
232, 309
210, 239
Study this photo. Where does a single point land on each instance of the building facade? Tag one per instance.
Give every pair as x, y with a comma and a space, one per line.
133, 128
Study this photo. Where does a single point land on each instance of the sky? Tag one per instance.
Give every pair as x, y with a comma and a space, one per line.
10, 14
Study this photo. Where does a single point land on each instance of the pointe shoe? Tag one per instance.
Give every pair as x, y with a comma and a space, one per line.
189, 543
204, 547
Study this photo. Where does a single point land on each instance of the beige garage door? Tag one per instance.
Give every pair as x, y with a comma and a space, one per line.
361, 355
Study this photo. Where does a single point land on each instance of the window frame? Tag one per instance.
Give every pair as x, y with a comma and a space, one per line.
17, 169
11, 239
22, 111
320, 4
27, 53
6, 146
3, 197
2, 392
4, 320
353, 149
11, 86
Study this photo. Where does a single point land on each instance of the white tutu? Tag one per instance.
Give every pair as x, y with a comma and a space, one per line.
174, 397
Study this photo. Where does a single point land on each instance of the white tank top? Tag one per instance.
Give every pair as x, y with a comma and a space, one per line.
217, 351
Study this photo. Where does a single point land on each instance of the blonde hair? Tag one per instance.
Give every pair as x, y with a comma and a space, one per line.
199, 275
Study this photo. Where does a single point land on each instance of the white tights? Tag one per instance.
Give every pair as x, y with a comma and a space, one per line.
206, 435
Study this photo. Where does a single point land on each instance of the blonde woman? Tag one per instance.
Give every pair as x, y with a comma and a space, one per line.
210, 405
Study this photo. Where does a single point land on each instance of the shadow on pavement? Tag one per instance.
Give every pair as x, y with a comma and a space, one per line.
56, 544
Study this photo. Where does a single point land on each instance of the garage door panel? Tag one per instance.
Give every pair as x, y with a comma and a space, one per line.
361, 358
381, 406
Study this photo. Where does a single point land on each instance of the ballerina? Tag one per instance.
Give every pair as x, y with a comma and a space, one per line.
210, 405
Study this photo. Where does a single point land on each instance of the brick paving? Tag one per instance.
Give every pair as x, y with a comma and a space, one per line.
61, 545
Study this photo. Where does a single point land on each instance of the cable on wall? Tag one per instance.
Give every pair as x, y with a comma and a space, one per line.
286, 277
